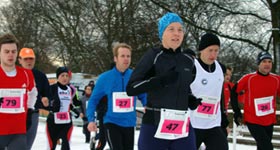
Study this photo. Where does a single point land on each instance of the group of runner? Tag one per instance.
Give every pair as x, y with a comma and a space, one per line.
185, 97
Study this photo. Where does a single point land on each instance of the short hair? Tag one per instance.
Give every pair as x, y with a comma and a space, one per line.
119, 45
229, 68
87, 87
8, 39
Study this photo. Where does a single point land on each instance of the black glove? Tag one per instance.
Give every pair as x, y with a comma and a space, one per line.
194, 102
76, 113
84, 119
168, 77
237, 117
29, 119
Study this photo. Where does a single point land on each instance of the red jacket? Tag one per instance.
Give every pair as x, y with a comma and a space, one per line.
227, 88
15, 123
258, 86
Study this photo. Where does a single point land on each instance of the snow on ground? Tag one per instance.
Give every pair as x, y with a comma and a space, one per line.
78, 140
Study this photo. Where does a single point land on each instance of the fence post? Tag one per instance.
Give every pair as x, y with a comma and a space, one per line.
234, 136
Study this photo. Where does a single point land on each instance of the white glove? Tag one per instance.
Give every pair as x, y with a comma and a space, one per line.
32, 97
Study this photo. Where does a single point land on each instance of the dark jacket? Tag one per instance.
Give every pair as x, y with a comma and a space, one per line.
155, 75
43, 87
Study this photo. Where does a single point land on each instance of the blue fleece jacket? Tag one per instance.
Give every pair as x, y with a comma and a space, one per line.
107, 83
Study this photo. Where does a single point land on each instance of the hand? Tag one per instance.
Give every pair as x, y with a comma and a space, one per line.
29, 119
237, 118
45, 101
92, 127
75, 111
194, 102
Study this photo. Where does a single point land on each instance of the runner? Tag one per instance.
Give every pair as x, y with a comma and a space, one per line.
260, 90
165, 73
17, 96
59, 121
120, 118
27, 60
208, 85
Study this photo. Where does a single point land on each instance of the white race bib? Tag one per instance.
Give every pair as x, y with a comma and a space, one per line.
122, 103
12, 100
174, 124
62, 117
208, 108
263, 106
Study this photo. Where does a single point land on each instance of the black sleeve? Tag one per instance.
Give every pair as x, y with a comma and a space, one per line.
54, 103
223, 67
234, 99
224, 119
75, 100
46, 89
46, 86
143, 77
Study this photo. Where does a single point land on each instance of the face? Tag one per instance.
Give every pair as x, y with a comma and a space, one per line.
88, 90
8, 55
265, 66
63, 78
173, 36
27, 63
123, 59
228, 75
209, 54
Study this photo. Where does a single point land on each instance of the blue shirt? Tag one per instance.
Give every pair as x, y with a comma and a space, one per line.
107, 83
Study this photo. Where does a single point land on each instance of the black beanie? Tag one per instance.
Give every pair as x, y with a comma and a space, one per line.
208, 39
262, 56
61, 70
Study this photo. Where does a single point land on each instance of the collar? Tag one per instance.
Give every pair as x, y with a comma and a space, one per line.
206, 67
63, 87
262, 73
170, 50
122, 73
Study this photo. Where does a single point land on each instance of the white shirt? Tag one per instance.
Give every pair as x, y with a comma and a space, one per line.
207, 84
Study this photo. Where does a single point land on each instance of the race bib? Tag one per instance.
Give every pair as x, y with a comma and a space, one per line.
62, 117
122, 102
12, 100
208, 108
174, 124
263, 106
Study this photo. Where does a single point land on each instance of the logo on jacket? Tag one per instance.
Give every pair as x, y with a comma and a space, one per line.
186, 69
24, 85
204, 81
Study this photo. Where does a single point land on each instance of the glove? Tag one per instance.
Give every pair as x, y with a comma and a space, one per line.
237, 117
76, 113
29, 119
194, 102
168, 77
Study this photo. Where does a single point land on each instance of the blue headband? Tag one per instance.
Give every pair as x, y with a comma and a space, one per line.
166, 20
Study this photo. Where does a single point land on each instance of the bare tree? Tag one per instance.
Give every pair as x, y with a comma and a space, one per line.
29, 29
80, 34
244, 26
